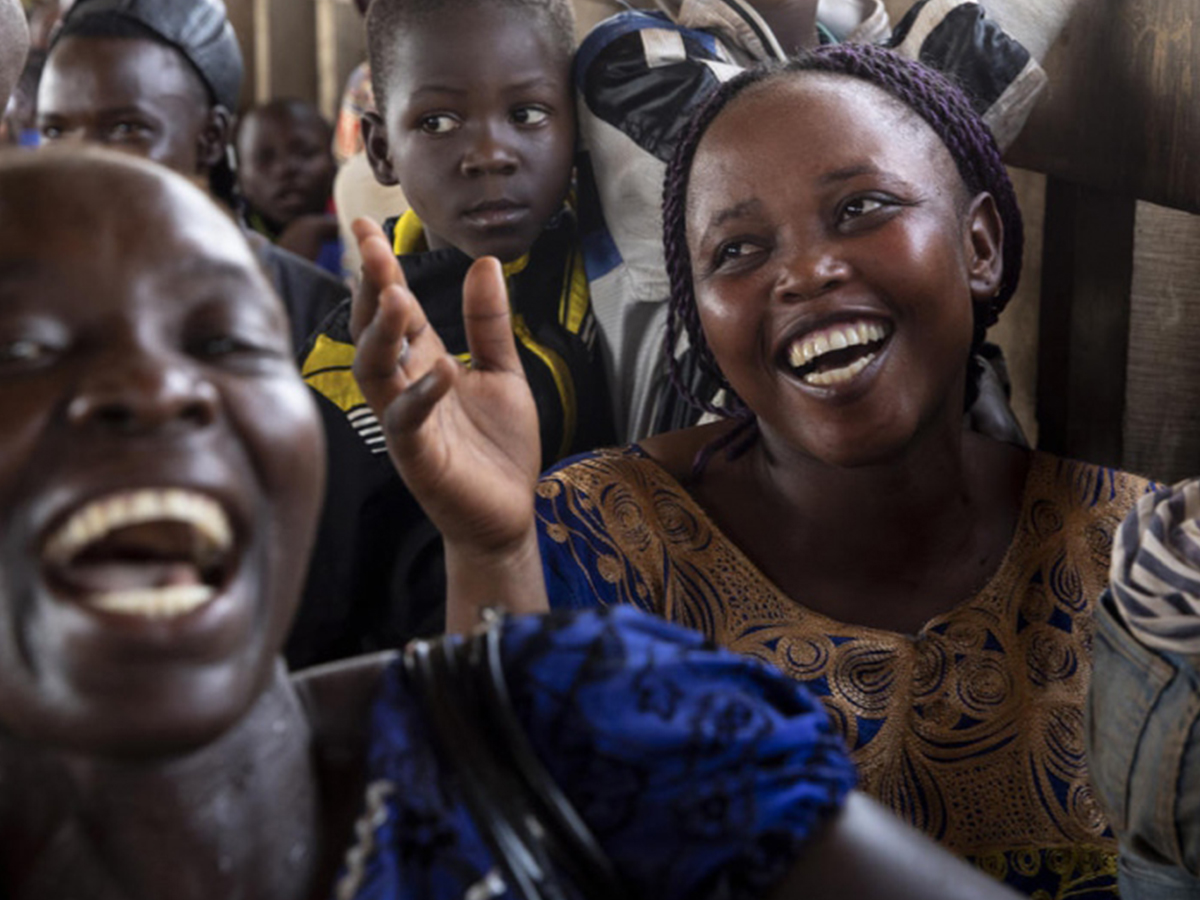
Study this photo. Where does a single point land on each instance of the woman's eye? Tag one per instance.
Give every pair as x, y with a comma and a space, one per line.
862, 206
733, 252
438, 124
531, 115
51, 132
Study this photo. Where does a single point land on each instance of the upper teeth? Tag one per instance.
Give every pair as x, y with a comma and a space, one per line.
836, 337
101, 517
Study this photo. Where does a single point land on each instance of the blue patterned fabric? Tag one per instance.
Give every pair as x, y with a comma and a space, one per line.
701, 773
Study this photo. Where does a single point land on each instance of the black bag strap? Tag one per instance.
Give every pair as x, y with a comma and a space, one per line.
542, 846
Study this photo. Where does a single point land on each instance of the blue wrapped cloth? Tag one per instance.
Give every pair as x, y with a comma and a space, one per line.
701, 773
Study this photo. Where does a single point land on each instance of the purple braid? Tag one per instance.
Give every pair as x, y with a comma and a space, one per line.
927, 93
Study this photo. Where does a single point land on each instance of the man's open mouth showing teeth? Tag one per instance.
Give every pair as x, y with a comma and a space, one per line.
156, 553
837, 353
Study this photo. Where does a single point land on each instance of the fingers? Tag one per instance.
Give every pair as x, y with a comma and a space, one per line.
380, 268
410, 410
485, 312
396, 348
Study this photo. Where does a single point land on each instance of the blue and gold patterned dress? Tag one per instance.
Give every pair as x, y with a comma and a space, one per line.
971, 730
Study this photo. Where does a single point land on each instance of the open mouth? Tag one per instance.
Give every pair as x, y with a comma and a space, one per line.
837, 353
154, 553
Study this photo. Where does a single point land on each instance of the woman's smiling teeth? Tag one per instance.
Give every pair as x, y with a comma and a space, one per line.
837, 353
155, 553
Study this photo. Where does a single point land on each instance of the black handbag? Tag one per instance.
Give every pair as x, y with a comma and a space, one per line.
543, 848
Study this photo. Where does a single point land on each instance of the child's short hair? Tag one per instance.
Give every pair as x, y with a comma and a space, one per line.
388, 19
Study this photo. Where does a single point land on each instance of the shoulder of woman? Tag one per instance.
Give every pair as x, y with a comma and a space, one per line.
337, 698
675, 451
1103, 489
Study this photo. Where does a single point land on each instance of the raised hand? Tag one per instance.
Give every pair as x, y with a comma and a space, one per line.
465, 440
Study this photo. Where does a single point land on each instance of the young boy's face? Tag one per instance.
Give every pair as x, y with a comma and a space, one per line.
480, 130
286, 166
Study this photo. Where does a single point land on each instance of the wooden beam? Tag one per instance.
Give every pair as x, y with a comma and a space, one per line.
1122, 112
1087, 274
285, 38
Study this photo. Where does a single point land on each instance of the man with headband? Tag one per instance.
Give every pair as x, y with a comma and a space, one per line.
162, 80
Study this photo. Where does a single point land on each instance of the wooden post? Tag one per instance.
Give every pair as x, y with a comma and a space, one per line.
285, 36
1087, 272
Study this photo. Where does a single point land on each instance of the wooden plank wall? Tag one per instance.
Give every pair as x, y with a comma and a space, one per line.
1117, 377
1120, 124
1162, 409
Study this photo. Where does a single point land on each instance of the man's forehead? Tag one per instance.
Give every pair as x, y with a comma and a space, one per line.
103, 63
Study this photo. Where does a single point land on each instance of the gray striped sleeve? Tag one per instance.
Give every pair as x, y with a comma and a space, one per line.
1155, 578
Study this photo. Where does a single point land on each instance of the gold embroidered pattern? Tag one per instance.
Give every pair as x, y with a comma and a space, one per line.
972, 730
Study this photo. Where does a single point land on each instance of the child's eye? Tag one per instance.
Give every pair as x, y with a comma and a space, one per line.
530, 115
23, 351
438, 124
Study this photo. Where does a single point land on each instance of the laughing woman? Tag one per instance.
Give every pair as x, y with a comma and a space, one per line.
840, 233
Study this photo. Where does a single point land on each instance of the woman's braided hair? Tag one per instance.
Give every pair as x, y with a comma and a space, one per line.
927, 93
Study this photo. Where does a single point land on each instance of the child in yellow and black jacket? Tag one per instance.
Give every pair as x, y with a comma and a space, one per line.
483, 141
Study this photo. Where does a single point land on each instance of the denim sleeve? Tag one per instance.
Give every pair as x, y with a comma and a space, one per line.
1144, 756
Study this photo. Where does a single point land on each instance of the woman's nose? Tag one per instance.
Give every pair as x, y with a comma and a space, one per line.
144, 392
810, 271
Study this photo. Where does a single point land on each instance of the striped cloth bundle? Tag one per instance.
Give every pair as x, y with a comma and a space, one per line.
1155, 577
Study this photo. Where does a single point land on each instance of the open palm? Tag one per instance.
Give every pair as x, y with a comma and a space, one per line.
465, 440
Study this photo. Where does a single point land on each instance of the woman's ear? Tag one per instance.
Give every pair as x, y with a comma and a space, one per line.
375, 142
215, 135
984, 235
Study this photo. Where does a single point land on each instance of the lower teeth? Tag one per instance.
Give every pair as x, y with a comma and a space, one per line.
154, 603
837, 376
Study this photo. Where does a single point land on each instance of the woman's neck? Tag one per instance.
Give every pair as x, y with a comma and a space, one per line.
887, 545
927, 482
239, 817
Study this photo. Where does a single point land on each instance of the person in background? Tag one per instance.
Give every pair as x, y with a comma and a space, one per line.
358, 99
161, 81
285, 172
356, 193
1143, 724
